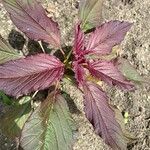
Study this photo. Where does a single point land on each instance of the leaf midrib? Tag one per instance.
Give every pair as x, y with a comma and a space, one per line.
35, 73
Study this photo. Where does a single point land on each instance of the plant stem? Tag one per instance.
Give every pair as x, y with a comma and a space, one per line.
41, 46
61, 50
34, 94
68, 56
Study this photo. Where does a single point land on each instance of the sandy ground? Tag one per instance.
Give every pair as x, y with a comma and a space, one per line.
136, 48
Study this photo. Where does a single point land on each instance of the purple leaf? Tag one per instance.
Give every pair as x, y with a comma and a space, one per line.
30, 17
30, 74
78, 51
79, 72
102, 117
105, 37
108, 72
78, 41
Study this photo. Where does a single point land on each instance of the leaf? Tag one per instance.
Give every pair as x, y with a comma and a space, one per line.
30, 17
109, 73
119, 118
50, 127
90, 13
129, 71
78, 51
5, 99
30, 74
79, 72
112, 56
7, 53
78, 42
102, 117
108, 35
14, 119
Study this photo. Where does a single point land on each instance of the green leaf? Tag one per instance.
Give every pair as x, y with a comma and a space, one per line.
7, 53
118, 115
5, 99
129, 71
50, 127
14, 119
90, 13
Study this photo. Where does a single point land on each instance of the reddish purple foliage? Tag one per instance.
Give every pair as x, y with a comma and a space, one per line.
109, 34
105, 37
30, 18
30, 74
78, 41
79, 72
97, 109
78, 51
108, 72
102, 117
